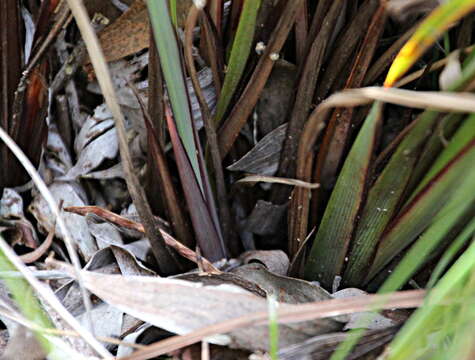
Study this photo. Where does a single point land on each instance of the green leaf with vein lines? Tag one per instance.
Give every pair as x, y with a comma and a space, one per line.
328, 252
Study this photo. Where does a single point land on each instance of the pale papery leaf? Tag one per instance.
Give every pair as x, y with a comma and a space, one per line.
70, 194
452, 71
94, 154
372, 322
95, 125
285, 289
181, 306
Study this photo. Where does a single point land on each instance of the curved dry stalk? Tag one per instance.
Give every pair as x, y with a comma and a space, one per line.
279, 180
463, 102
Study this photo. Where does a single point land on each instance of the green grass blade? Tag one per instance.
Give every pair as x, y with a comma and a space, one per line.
451, 252
186, 143
426, 35
273, 328
385, 195
239, 54
401, 274
419, 325
444, 129
329, 249
170, 61
383, 198
173, 11
26, 301
461, 138
419, 214
455, 209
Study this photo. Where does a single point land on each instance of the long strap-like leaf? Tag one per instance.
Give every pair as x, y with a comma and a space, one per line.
331, 243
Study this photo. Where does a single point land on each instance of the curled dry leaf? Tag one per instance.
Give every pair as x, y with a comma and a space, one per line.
285, 289
264, 157
275, 261
69, 194
94, 126
13, 218
97, 151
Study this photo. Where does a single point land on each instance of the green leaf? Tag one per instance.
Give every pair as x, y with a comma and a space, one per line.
329, 249
173, 12
461, 138
421, 211
171, 64
239, 54
383, 198
451, 252
428, 318
388, 190
462, 200
191, 167
444, 129
26, 301
426, 35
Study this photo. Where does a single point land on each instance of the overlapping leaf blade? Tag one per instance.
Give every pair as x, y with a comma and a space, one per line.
193, 173
387, 193
332, 240
419, 214
429, 31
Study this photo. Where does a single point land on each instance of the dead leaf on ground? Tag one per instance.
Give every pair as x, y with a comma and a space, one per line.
263, 158
285, 289
275, 261
69, 194
181, 306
